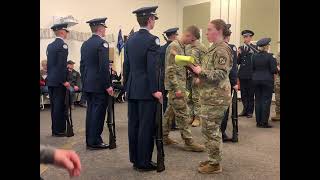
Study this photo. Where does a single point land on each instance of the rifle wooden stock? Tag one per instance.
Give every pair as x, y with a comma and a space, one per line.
111, 123
68, 114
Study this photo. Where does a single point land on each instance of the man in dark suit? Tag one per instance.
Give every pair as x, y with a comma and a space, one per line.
140, 79
57, 54
171, 35
245, 73
96, 83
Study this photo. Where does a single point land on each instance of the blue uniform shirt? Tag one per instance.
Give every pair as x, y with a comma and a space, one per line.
57, 55
140, 65
94, 65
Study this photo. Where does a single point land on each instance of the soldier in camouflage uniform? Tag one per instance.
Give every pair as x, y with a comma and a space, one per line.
277, 91
175, 83
197, 51
215, 95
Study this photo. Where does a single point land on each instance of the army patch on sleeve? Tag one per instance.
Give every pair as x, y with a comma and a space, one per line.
222, 60
65, 46
106, 45
157, 41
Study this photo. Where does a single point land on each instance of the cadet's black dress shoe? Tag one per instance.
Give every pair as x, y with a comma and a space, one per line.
59, 134
174, 128
249, 116
98, 146
266, 126
243, 113
151, 167
225, 138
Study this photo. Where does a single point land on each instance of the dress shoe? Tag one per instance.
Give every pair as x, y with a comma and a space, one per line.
266, 126
98, 146
82, 105
150, 167
225, 138
243, 113
249, 116
174, 128
59, 134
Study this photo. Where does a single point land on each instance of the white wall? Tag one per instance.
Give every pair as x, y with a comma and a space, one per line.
221, 9
119, 13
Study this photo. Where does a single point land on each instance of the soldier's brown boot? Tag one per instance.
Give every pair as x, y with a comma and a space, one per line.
196, 122
210, 169
169, 141
190, 145
276, 118
191, 120
203, 163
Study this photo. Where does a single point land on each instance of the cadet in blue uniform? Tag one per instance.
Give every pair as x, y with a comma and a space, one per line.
245, 73
94, 68
171, 35
57, 54
264, 67
233, 82
140, 79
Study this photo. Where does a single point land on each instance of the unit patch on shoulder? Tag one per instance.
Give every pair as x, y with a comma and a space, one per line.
157, 41
106, 45
234, 48
222, 60
65, 46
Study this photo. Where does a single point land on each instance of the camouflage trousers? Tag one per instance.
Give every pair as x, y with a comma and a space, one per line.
211, 117
177, 109
194, 100
277, 95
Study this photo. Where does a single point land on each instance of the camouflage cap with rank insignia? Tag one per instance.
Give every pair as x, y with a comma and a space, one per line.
98, 21
60, 26
146, 11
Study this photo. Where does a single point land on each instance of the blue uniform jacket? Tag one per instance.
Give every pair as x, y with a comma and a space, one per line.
141, 63
244, 59
162, 62
234, 71
94, 65
264, 66
57, 55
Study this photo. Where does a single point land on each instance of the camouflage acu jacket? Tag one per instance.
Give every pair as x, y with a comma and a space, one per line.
197, 51
175, 76
215, 86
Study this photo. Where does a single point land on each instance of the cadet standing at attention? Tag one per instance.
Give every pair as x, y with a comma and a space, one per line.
233, 82
245, 73
57, 54
277, 90
264, 67
215, 96
175, 83
141, 82
197, 50
96, 83
171, 35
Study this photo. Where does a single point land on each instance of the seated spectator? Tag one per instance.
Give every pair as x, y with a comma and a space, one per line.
116, 83
73, 78
43, 77
66, 159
